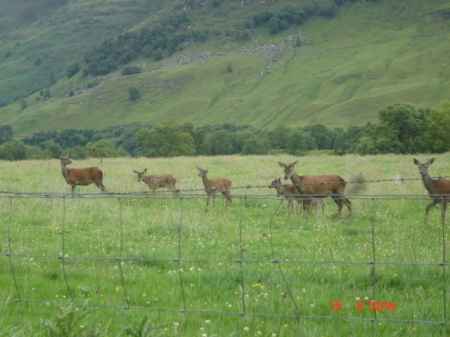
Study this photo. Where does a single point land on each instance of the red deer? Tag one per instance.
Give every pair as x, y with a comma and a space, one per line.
291, 193
156, 181
82, 176
438, 189
329, 185
212, 186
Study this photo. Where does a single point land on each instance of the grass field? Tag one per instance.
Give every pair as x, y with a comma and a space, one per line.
133, 263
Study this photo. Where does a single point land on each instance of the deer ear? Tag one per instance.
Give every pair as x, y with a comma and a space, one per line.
431, 161
416, 161
295, 162
145, 171
281, 164
135, 171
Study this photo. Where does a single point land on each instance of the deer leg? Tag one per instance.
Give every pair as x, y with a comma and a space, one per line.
431, 205
338, 202
289, 205
103, 188
321, 204
229, 200
444, 208
306, 207
299, 205
348, 204
207, 202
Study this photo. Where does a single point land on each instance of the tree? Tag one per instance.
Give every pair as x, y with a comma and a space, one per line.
405, 124
6, 133
220, 142
437, 126
296, 143
104, 149
400, 130
321, 136
53, 148
366, 146
199, 137
167, 139
254, 145
34, 152
13, 150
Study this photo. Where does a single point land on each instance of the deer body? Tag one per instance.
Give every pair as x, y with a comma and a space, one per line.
82, 176
439, 189
321, 186
291, 193
212, 186
156, 181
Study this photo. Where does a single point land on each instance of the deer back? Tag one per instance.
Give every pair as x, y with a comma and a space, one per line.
218, 183
440, 187
163, 180
85, 176
321, 185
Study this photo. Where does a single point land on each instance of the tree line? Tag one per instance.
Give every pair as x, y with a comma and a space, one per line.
402, 128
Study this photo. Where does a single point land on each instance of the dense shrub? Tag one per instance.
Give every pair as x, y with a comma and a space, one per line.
131, 70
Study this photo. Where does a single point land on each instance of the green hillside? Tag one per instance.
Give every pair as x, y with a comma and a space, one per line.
336, 71
40, 38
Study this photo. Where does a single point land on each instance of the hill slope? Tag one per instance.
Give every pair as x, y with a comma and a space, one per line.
40, 39
341, 73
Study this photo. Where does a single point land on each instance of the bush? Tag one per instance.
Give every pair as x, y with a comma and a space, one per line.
131, 70
133, 94
73, 69
13, 150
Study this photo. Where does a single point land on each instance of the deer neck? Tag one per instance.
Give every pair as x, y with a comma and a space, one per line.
429, 183
297, 181
64, 171
205, 181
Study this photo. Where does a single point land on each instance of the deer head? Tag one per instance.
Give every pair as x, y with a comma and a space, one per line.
201, 172
140, 175
288, 169
275, 183
423, 168
65, 160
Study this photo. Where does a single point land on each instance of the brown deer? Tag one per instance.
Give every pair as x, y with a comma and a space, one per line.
329, 185
291, 193
438, 189
212, 186
156, 181
81, 176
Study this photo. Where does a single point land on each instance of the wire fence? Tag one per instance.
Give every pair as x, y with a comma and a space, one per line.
299, 314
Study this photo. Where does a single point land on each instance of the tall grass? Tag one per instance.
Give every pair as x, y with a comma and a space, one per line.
133, 263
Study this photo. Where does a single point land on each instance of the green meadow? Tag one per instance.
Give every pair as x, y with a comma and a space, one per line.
133, 263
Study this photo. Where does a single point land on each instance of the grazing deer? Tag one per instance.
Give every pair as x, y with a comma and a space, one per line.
291, 193
81, 176
329, 185
438, 189
156, 181
212, 186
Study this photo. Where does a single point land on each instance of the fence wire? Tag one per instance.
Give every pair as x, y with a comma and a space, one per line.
299, 315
